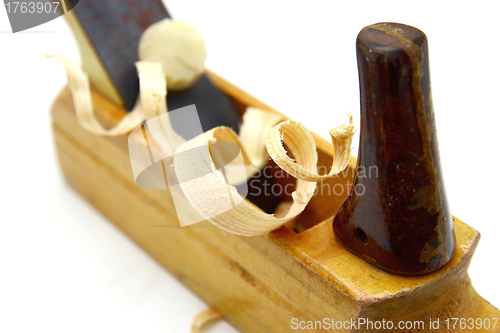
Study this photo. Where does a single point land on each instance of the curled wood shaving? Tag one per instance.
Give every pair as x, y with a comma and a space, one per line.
153, 90
211, 194
218, 201
203, 318
80, 89
298, 138
254, 139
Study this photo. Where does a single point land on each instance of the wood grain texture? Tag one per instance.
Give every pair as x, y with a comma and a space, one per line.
260, 283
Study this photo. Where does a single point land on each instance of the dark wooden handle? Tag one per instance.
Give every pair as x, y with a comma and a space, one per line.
397, 214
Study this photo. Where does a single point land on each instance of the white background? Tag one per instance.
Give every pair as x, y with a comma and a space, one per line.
64, 268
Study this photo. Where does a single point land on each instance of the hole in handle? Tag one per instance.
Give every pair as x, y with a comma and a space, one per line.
360, 236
